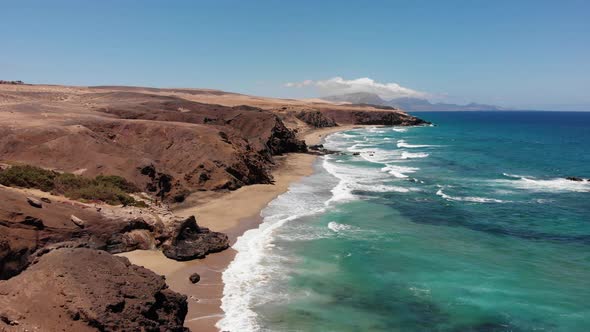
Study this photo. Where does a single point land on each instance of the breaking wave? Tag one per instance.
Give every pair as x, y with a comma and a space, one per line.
545, 185
403, 144
468, 199
410, 155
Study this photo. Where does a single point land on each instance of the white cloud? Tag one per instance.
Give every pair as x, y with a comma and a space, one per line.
339, 85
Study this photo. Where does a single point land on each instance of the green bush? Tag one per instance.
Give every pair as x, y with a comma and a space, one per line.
101, 192
67, 181
117, 181
110, 189
28, 177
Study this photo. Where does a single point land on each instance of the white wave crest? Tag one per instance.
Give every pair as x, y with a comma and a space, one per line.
336, 227
545, 185
410, 155
403, 144
354, 178
400, 130
468, 199
399, 171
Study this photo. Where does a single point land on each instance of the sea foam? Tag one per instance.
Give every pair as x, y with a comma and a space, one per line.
337, 227
255, 258
410, 155
399, 171
545, 185
403, 144
468, 198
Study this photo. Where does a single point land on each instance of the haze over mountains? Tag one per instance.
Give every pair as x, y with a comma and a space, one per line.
407, 103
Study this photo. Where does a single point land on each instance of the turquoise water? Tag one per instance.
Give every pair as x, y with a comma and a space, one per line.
465, 226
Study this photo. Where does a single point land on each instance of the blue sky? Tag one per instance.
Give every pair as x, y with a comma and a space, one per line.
525, 54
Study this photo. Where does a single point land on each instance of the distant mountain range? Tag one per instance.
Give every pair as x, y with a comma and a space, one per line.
407, 103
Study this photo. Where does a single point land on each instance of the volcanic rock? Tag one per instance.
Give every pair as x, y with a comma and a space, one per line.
574, 178
194, 278
25, 229
191, 241
316, 119
35, 202
88, 290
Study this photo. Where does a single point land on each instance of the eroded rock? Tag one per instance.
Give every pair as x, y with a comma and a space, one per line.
35, 202
88, 290
191, 241
574, 178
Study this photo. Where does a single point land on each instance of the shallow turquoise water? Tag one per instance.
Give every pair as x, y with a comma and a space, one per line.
465, 226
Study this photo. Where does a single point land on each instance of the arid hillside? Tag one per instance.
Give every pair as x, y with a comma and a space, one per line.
170, 142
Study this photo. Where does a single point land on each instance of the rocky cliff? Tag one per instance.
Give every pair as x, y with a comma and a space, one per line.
373, 117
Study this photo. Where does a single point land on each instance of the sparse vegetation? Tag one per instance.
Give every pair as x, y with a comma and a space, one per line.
110, 189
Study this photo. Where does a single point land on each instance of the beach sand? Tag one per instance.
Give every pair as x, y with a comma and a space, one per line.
232, 213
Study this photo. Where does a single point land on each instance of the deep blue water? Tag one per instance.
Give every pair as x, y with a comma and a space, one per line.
469, 225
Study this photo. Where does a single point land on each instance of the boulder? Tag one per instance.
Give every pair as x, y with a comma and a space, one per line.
189, 241
35, 222
89, 290
35, 202
77, 221
194, 278
574, 178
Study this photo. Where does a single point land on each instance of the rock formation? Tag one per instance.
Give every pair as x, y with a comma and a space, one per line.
374, 117
574, 178
316, 119
78, 289
25, 230
191, 241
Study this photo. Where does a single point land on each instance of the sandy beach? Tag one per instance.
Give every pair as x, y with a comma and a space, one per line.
232, 213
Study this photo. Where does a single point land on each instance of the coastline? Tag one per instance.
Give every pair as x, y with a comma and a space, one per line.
233, 213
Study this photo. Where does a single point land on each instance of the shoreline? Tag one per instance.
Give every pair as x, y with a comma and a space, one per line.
233, 213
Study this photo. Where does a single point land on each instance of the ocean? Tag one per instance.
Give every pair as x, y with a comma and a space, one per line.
467, 225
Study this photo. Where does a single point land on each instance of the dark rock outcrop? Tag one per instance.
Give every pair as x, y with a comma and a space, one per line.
12, 82
191, 241
283, 140
386, 118
574, 178
25, 230
22, 235
320, 150
316, 119
371, 116
35, 202
78, 289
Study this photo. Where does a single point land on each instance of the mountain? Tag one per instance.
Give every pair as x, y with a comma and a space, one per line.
408, 103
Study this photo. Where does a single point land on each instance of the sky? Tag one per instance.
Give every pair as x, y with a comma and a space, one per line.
516, 54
